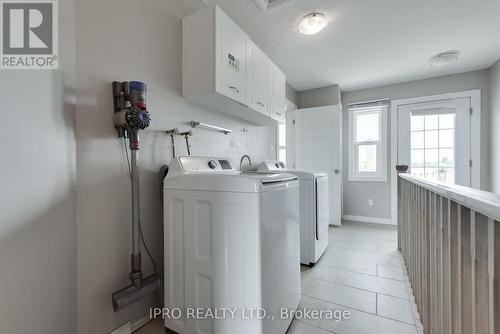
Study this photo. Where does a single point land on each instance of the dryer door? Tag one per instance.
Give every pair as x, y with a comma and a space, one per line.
322, 208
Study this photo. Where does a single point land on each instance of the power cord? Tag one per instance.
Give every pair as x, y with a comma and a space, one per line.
141, 235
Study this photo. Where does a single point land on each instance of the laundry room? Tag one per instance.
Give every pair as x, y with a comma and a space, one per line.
249, 166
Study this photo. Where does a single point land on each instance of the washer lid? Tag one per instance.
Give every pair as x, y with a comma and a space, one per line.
242, 183
209, 174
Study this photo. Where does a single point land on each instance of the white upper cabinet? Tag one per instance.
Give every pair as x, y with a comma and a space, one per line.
277, 93
224, 70
232, 45
259, 80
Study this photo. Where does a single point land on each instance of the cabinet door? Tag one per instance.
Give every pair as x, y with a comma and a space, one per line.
278, 82
231, 46
259, 80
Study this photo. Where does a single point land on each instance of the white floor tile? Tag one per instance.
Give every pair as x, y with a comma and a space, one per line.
348, 263
373, 283
299, 327
340, 294
311, 304
395, 308
391, 272
352, 255
361, 323
321, 272
358, 246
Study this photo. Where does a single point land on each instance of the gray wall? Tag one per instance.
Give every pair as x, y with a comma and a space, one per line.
324, 96
105, 54
356, 194
291, 94
37, 201
495, 127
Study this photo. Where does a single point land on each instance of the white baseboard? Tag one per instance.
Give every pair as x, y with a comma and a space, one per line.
141, 323
364, 219
124, 329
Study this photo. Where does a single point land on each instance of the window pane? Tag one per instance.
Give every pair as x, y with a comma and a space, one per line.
417, 139
420, 172
446, 158
417, 123
367, 127
282, 134
431, 139
432, 173
367, 158
446, 138
447, 121
431, 122
417, 158
431, 158
282, 155
447, 175
432, 147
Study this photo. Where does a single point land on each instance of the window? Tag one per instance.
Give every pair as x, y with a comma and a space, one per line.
433, 146
282, 142
368, 142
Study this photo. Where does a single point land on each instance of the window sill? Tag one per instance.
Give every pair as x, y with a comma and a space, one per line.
367, 179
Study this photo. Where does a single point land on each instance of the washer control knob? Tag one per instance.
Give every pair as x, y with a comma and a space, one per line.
212, 164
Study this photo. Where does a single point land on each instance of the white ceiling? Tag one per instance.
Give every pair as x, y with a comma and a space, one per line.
371, 42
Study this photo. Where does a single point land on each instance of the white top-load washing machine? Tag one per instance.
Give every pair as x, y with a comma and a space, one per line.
314, 209
231, 248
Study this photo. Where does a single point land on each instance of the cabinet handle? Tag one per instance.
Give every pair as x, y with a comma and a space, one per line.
235, 89
260, 104
278, 113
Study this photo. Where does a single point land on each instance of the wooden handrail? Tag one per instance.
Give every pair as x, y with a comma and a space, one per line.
478, 200
449, 238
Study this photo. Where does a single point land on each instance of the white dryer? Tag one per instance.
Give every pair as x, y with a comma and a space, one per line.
231, 241
314, 210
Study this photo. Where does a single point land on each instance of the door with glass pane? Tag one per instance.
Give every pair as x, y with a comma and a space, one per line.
434, 140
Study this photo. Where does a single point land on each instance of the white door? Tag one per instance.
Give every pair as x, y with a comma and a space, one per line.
318, 148
434, 140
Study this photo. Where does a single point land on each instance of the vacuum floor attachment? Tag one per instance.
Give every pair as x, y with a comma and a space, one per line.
129, 295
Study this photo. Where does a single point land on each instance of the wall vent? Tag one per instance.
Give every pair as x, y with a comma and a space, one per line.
269, 4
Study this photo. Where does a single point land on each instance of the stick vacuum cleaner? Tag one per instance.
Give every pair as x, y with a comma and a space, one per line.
130, 117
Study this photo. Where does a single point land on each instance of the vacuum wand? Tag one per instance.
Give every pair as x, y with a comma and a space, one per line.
130, 117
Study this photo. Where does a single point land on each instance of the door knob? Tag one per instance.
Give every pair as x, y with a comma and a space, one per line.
337, 171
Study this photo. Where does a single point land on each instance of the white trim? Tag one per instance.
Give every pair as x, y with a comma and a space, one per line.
141, 322
475, 98
126, 328
364, 219
381, 174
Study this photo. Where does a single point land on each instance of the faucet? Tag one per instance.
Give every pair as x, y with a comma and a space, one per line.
243, 158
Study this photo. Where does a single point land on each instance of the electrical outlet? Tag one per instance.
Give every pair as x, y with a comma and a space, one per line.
370, 202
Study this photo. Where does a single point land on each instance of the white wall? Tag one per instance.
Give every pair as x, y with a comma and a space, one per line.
356, 194
37, 201
495, 127
133, 40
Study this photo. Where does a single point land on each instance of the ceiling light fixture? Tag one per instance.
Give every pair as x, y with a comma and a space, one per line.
444, 58
312, 23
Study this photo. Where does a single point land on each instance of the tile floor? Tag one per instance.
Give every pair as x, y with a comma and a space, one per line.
361, 273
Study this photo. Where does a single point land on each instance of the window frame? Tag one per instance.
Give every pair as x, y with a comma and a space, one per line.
278, 147
381, 174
